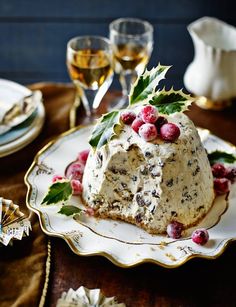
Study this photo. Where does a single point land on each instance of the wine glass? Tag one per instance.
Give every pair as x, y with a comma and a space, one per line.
132, 43
89, 62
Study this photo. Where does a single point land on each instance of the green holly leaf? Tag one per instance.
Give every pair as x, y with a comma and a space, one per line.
146, 83
221, 156
69, 210
168, 102
105, 129
58, 191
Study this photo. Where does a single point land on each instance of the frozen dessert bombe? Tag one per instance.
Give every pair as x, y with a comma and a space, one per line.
150, 183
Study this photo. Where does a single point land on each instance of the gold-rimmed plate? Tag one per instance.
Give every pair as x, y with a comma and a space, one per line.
91, 236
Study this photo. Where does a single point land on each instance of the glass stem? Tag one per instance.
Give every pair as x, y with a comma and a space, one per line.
126, 79
74, 107
92, 98
101, 92
88, 99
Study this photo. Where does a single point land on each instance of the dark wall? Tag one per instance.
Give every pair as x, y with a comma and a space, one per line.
33, 34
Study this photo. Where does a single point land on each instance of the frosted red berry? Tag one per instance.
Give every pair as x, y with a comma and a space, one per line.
83, 156
128, 117
218, 170
174, 230
221, 185
148, 132
136, 124
200, 236
160, 122
75, 170
76, 187
169, 132
148, 114
56, 178
90, 212
231, 174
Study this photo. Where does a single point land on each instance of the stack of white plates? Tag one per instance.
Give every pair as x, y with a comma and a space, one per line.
24, 128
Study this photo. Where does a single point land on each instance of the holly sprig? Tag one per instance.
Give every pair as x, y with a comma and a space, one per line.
69, 210
61, 192
218, 156
168, 102
143, 91
145, 85
106, 128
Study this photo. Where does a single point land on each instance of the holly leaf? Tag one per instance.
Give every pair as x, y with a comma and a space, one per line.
58, 191
168, 102
146, 83
221, 156
105, 129
69, 210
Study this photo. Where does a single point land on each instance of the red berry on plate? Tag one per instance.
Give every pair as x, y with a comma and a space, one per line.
169, 132
200, 236
231, 174
148, 132
83, 156
160, 122
90, 212
218, 170
76, 187
75, 170
128, 117
56, 178
174, 230
148, 114
221, 185
136, 124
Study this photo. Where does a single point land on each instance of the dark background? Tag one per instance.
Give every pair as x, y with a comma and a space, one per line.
33, 34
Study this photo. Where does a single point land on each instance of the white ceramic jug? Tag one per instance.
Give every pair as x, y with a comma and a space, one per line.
213, 71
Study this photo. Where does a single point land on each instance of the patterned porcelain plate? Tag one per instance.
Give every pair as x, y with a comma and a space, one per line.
124, 244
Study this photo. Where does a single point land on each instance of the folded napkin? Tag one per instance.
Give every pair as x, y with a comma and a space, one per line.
9, 107
13, 112
13, 223
84, 297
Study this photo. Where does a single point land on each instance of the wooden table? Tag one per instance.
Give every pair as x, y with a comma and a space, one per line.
197, 283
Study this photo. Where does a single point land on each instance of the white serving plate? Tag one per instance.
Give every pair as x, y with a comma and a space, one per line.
124, 244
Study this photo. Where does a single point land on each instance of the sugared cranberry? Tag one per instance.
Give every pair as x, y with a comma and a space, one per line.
174, 230
76, 187
160, 122
90, 212
75, 171
56, 178
128, 117
136, 124
169, 132
231, 174
83, 156
148, 114
221, 185
200, 236
218, 170
148, 132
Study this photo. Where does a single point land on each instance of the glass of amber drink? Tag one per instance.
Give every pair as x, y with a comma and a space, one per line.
132, 44
89, 63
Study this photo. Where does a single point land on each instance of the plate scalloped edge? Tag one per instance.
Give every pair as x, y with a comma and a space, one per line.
191, 255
